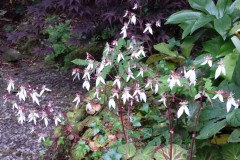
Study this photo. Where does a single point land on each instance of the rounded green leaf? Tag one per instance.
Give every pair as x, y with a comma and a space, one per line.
231, 151
233, 118
131, 150
208, 153
178, 153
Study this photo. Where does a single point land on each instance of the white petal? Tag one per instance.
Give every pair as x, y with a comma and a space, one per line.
228, 105
186, 111
218, 72
180, 112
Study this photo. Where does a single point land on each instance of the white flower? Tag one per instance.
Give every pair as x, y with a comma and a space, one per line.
115, 93
135, 55
90, 64
76, 73
149, 83
173, 80
14, 105
130, 75
230, 102
124, 30
220, 69
108, 62
33, 117
141, 51
133, 18
143, 96
22, 94
41, 137
77, 100
163, 99
86, 74
57, 119
96, 94
45, 118
126, 13
158, 23
135, 6
191, 75
21, 115
120, 57
44, 88
126, 96
156, 85
207, 60
35, 96
99, 79
107, 48
111, 103
86, 85
117, 81
89, 107
184, 108
219, 95
140, 72
148, 28
102, 65
10, 85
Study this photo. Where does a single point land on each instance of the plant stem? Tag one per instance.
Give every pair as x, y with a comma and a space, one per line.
195, 129
170, 129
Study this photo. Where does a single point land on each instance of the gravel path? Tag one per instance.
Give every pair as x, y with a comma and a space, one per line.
18, 141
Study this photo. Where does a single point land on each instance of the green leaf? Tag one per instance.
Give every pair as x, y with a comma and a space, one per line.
78, 152
230, 61
187, 29
58, 49
202, 21
210, 113
231, 151
236, 42
131, 150
145, 108
165, 49
47, 142
147, 133
154, 58
80, 62
183, 16
222, 6
146, 154
235, 136
208, 153
222, 25
236, 74
112, 154
233, 118
206, 6
178, 153
211, 129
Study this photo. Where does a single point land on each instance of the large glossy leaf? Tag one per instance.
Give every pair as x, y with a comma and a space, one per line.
183, 16
235, 136
233, 118
178, 153
231, 151
230, 61
213, 46
206, 6
146, 154
208, 153
165, 49
202, 21
222, 6
211, 129
187, 27
222, 25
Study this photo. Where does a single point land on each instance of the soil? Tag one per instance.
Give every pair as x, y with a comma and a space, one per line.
18, 141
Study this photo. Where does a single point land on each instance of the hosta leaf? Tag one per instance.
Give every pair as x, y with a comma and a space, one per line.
202, 21
231, 151
146, 154
208, 153
233, 118
187, 29
183, 16
178, 153
236, 42
131, 150
206, 6
211, 129
165, 49
222, 25
222, 6
80, 62
230, 61
234, 136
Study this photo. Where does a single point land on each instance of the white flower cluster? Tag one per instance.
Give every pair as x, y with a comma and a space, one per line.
29, 112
